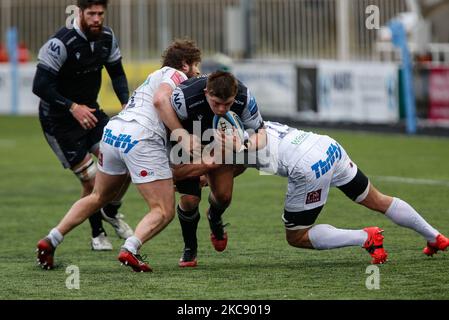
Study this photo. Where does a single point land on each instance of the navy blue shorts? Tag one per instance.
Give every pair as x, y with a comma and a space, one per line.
69, 141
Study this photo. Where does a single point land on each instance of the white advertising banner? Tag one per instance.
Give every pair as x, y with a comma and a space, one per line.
358, 92
272, 84
27, 101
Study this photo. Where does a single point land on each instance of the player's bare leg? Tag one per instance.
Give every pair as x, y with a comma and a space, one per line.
85, 171
159, 196
110, 213
106, 188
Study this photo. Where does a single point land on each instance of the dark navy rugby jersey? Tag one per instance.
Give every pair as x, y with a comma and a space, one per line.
190, 104
77, 63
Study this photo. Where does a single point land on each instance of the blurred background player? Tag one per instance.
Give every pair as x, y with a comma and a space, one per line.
141, 153
193, 106
68, 80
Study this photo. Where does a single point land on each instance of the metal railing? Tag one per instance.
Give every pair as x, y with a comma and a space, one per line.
280, 29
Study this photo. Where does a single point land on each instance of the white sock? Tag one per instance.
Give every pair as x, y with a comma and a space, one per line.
132, 244
55, 237
401, 213
325, 236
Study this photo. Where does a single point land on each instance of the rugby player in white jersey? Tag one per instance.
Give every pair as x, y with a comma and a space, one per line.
135, 143
313, 163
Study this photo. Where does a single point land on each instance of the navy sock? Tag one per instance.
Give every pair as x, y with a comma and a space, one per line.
96, 224
189, 224
111, 209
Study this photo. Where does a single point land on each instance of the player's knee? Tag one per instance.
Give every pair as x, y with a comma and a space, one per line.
101, 199
291, 239
297, 225
297, 238
189, 202
88, 187
167, 213
221, 199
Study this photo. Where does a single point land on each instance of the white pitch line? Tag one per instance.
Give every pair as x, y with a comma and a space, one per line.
430, 182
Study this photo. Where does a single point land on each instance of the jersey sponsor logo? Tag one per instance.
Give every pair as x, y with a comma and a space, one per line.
54, 47
177, 78
122, 141
196, 104
145, 173
300, 138
314, 196
322, 167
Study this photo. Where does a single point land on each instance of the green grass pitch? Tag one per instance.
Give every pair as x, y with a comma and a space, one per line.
35, 192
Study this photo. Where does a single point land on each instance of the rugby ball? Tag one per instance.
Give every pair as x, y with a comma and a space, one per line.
228, 122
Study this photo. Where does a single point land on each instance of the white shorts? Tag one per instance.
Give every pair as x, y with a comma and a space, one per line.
127, 146
325, 165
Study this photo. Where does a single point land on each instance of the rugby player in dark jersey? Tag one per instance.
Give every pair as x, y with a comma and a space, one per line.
68, 80
193, 105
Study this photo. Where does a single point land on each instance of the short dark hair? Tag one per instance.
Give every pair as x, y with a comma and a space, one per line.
222, 84
84, 4
181, 50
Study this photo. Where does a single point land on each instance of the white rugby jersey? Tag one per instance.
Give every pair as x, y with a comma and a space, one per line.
285, 147
140, 106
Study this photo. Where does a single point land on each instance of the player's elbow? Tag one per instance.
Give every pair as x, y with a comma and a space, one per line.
43, 83
37, 88
158, 101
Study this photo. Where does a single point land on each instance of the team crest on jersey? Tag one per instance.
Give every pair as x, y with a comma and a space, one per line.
178, 99
55, 48
78, 55
314, 196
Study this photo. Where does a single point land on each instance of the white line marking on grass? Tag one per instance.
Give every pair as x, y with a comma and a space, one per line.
430, 182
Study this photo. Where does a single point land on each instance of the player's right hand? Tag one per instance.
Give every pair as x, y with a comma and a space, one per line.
84, 115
